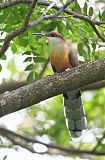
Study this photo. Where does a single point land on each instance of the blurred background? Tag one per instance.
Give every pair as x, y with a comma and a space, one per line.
26, 60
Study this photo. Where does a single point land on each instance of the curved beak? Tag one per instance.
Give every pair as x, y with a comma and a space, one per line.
40, 34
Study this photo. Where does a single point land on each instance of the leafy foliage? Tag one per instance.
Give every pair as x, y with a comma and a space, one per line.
47, 117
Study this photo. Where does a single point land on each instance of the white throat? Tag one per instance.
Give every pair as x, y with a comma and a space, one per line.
56, 44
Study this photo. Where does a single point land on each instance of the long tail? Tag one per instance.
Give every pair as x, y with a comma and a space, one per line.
74, 113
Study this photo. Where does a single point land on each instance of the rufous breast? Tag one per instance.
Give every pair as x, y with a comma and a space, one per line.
60, 61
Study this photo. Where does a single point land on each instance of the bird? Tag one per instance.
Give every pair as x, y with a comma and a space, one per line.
64, 57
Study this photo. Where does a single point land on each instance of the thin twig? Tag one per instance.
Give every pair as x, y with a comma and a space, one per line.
19, 143
61, 17
46, 17
11, 3
95, 22
99, 142
100, 45
12, 85
44, 67
80, 16
99, 23
30, 11
48, 8
6, 132
45, 3
25, 26
19, 30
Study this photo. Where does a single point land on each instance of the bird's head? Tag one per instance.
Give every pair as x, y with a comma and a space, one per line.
52, 37
55, 39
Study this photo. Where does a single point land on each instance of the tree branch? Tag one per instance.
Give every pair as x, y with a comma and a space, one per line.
19, 30
51, 86
99, 142
30, 11
25, 26
45, 3
48, 8
94, 86
17, 139
44, 67
95, 22
12, 85
12, 3
99, 23
87, 19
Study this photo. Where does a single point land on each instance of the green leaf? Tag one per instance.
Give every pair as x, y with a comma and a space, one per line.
3, 57
30, 77
29, 67
68, 25
37, 76
35, 53
88, 48
60, 26
96, 55
77, 7
33, 48
100, 17
1, 40
80, 49
13, 48
0, 67
94, 46
27, 53
22, 40
51, 26
81, 62
85, 8
91, 11
72, 6
84, 54
39, 59
103, 15
28, 59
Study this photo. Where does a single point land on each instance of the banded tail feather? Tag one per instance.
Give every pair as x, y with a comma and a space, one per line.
74, 113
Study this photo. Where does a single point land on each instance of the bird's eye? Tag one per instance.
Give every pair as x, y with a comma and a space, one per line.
53, 35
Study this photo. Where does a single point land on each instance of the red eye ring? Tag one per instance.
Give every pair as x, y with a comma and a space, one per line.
55, 34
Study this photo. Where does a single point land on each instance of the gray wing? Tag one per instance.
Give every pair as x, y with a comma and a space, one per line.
73, 57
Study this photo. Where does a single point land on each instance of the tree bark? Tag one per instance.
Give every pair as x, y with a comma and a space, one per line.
12, 85
51, 86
